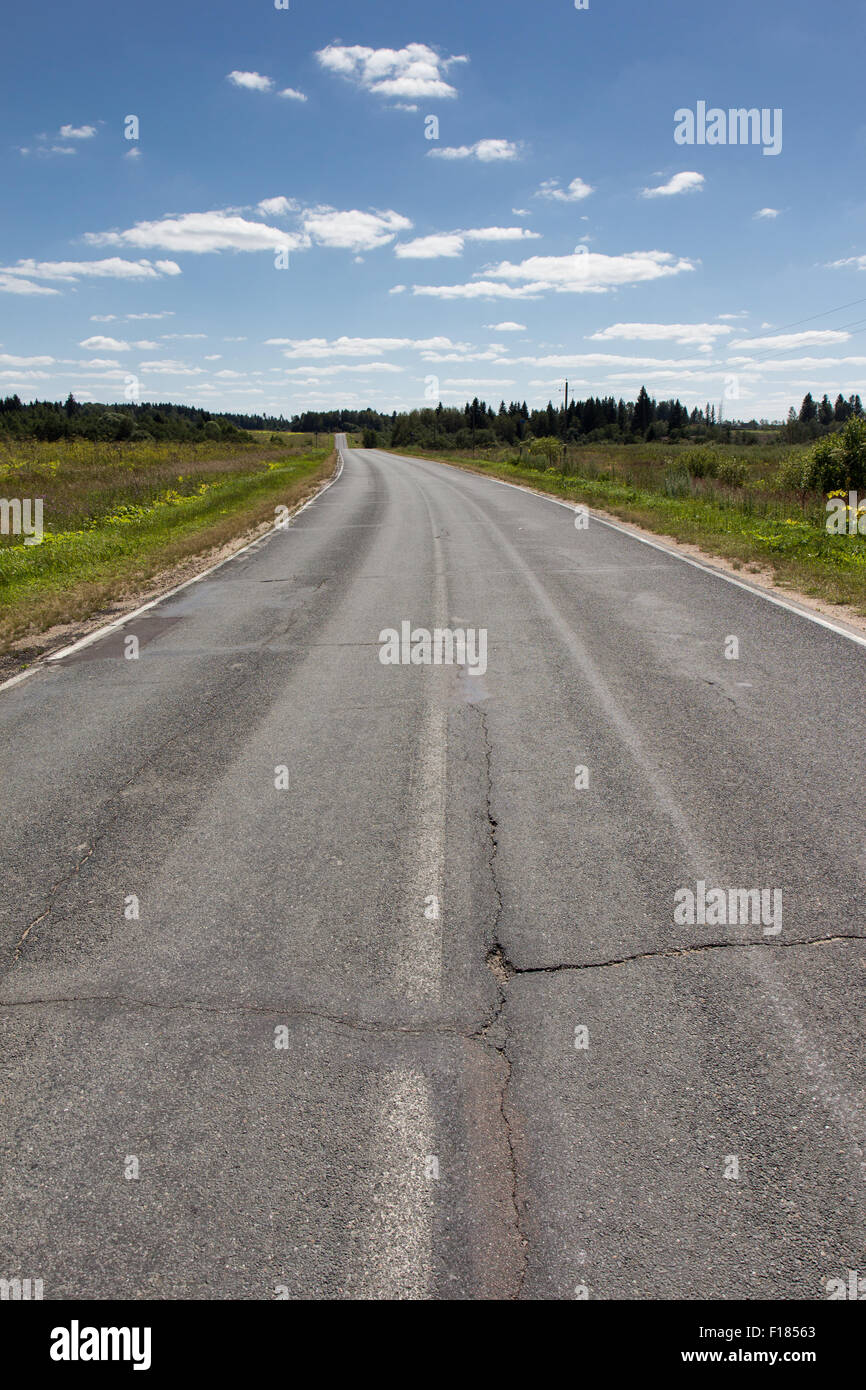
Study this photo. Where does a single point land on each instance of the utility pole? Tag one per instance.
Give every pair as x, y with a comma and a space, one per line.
564, 431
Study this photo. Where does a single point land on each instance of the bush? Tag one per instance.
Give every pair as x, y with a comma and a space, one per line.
676, 481
792, 476
853, 451
733, 472
370, 439
700, 462
547, 447
836, 463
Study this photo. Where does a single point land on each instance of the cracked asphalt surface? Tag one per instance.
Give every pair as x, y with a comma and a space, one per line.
421, 1023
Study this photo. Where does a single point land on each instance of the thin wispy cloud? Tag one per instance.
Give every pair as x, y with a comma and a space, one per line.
353, 347
656, 332
484, 151
9, 360
780, 341
451, 244
113, 268
584, 272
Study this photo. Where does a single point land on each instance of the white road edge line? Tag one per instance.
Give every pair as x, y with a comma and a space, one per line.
124, 618
665, 549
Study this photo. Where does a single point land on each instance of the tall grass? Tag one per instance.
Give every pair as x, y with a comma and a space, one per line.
115, 515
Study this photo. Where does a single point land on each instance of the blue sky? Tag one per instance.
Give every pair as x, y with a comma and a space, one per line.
554, 228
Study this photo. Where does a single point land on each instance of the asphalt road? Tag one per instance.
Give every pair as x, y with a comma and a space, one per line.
539, 1085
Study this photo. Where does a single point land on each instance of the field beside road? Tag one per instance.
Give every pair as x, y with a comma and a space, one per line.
116, 515
741, 504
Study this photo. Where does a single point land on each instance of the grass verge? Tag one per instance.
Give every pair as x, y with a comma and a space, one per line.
121, 526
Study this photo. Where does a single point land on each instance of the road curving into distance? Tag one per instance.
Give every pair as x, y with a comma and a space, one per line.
326, 976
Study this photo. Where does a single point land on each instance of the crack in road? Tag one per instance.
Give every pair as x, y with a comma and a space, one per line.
239, 1007
497, 961
509, 969
495, 1032
53, 890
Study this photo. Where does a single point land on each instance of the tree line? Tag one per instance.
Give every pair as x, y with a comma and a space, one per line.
72, 419
473, 425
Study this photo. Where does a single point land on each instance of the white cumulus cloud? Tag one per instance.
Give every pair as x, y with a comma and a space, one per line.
16, 284
574, 193
431, 247
251, 81
277, 207
353, 230
687, 182
414, 71
200, 232
98, 344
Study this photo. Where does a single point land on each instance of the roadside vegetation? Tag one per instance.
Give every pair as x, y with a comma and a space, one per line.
118, 513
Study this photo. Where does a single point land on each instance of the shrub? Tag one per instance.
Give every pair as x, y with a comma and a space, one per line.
824, 468
792, 476
853, 451
700, 462
733, 472
547, 447
836, 463
676, 481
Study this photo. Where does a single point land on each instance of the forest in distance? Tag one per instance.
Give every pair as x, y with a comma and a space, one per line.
474, 425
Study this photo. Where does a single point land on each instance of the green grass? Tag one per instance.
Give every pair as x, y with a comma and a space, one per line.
759, 525
116, 515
